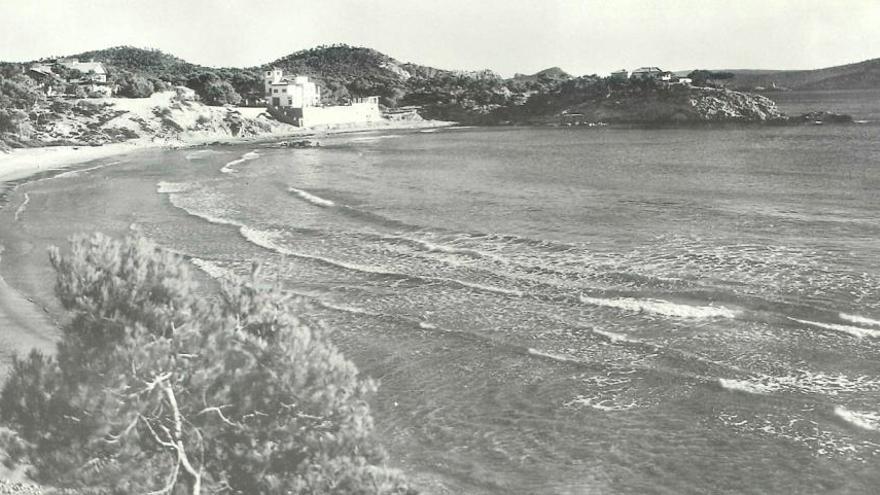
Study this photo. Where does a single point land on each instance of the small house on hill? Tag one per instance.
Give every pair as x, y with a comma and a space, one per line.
647, 73
90, 76
621, 74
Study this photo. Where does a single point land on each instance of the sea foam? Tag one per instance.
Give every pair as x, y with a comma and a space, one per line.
661, 307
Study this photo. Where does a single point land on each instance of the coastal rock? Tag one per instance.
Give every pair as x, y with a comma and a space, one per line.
8, 487
713, 104
822, 117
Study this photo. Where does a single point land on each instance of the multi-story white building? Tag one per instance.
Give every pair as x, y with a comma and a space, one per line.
296, 92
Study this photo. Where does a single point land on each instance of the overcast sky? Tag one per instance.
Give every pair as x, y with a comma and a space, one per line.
581, 36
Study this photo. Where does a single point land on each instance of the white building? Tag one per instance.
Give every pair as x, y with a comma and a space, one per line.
295, 92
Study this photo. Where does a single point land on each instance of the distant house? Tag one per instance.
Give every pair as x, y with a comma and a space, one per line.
684, 81
290, 92
620, 74
91, 71
647, 73
44, 76
91, 76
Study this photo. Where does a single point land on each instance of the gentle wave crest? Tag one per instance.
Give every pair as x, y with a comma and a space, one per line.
22, 206
213, 270
74, 173
615, 337
858, 332
173, 187
311, 198
748, 386
661, 307
859, 320
864, 420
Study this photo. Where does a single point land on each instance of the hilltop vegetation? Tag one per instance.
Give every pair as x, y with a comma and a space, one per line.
482, 97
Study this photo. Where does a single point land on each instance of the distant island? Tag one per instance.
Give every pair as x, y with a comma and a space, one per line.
77, 100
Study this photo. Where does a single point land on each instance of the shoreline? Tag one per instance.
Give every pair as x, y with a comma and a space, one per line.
31, 325
21, 163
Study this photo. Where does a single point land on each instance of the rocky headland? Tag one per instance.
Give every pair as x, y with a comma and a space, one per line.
648, 103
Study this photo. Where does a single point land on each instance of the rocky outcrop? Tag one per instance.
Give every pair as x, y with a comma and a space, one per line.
649, 103
712, 104
677, 104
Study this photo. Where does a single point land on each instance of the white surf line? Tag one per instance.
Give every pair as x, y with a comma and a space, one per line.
864, 420
661, 307
22, 206
75, 172
859, 320
858, 332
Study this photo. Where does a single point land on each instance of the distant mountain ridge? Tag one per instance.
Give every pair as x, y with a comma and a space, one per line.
860, 75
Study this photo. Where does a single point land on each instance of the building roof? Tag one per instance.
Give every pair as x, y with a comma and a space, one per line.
284, 81
42, 69
648, 69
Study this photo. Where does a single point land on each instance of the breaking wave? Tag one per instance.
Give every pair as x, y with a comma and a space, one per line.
661, 307
227, 169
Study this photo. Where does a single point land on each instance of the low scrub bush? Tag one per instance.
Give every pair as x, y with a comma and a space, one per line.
156, 388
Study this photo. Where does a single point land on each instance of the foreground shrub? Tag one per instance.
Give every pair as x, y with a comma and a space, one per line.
157, 389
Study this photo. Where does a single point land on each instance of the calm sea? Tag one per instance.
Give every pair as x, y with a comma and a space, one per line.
552, 310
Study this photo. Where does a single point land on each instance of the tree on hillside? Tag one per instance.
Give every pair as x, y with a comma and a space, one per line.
220, 93
133, 86
157, 389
